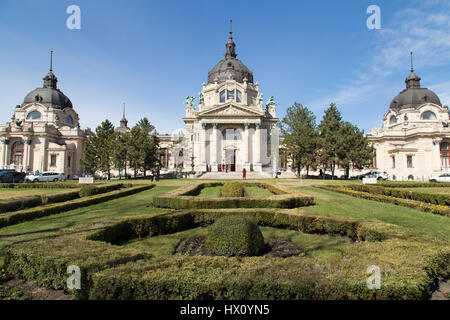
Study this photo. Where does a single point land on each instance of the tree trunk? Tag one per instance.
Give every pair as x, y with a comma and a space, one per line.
333, 167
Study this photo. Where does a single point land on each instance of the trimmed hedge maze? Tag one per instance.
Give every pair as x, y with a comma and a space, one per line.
110, 271
113, 267
187, 198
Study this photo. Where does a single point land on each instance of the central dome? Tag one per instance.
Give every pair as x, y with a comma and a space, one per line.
49, 95
230, 68
414, 96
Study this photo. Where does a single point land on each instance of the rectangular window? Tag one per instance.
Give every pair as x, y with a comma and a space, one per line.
69, 160
409, 161
230, 95
53, 160
238, 96
222, 96
393, 162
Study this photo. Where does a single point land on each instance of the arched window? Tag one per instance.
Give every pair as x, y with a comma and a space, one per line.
69, 120
34, 115
445, 154
238, 96
410, 178
393, 120
17, 152
428, 115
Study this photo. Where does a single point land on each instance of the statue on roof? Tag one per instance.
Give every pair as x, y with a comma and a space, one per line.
189, 101
271, 102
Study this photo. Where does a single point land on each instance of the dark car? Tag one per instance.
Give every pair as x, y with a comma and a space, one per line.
11, 176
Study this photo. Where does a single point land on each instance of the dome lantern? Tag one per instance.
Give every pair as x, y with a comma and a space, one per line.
230, 68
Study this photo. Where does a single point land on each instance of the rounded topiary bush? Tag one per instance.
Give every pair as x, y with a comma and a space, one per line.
235, 236
232, 189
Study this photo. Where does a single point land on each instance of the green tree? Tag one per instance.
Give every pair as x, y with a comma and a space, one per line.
120, 154
329, 129
150, 146
106, 136
143, 147
353, 148
98, 154
299, 132
90, 160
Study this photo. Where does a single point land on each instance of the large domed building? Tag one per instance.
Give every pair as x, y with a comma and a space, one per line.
414, 141
44, 134
230, 129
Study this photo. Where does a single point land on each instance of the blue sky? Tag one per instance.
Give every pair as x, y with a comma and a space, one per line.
152, 54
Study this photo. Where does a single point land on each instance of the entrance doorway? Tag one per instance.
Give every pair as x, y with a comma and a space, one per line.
230, 160
17, 153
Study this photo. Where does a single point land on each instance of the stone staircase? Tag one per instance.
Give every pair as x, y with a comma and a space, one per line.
234, 175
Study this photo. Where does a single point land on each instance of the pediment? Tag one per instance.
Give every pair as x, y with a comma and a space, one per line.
231, 111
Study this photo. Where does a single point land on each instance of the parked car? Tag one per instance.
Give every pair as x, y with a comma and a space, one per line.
442, 178
75, 177
104, 176
11, 176
45, 177
379, 175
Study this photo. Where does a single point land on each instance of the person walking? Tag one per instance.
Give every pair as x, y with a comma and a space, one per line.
244, 174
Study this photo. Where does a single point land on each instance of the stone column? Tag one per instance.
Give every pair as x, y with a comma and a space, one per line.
246, 148
3, 154
44, 155
214, 148
26, 155
203, 148
6, 161
257, 149
437, 162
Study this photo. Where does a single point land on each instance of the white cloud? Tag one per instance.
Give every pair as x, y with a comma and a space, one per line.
424, 28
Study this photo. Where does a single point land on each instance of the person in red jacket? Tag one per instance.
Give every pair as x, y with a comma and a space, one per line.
244, 173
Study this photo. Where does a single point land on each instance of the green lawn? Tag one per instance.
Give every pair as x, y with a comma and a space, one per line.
11, 193
137, 204
330, 203
210, 192
255, 191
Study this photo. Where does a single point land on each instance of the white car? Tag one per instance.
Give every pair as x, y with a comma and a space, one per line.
45, 177
379, 175
442, 178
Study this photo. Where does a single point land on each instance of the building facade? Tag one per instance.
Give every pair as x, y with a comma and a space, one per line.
230, 129
414, 141
44, 134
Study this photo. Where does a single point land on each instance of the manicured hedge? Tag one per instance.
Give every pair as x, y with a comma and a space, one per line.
46, 261
304, 222
432, 198
410, 267
34, 201
393, 184
42, 211
291, 201
233, 236
255, 278
413, 204
41, 185
232, 190
38, 200
185, 198
195, 191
